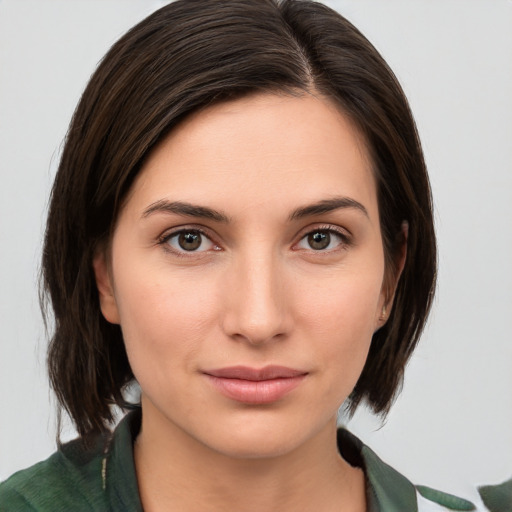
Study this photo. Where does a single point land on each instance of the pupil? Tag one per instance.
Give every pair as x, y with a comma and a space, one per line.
319, 240
189, 241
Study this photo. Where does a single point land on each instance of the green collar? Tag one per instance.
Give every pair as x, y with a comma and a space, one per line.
118, 466
497, 498
387, 490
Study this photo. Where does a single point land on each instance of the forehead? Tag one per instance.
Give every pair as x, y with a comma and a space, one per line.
264, 149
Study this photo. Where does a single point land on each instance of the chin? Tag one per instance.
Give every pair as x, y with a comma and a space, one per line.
260, 438
254, 447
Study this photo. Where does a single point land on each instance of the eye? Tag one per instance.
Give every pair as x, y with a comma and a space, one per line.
322, 240
188, 240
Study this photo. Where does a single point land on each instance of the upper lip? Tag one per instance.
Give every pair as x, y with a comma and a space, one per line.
255, 374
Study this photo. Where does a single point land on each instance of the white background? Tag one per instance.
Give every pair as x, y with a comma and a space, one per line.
452, 426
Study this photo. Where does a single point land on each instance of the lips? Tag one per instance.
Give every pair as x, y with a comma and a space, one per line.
255, 385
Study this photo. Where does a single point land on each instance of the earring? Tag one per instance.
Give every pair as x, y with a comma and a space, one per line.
384, 313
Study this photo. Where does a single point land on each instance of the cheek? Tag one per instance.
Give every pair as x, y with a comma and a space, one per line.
164, 319
347, 304
341, 320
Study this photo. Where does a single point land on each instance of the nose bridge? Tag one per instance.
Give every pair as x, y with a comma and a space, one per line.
258, 310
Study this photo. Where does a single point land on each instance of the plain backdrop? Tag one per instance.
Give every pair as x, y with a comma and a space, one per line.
451, 428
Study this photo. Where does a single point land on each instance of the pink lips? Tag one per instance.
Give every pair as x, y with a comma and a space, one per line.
255, 386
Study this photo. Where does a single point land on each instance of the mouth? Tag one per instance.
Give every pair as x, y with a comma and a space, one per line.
255, 385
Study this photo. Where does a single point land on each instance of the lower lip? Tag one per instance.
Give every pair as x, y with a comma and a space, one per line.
256, 392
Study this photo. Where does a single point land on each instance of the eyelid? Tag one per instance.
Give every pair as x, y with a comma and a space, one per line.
172, 232
162, 239
343, 233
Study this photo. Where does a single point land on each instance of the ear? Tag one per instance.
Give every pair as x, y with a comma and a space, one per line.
393, 273
105, 287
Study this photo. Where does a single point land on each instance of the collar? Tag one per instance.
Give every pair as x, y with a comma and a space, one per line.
386, 489
118, 465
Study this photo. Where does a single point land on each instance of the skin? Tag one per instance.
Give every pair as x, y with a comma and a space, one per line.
253, 293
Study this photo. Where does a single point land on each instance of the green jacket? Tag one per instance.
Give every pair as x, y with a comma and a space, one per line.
102, 479
497, 498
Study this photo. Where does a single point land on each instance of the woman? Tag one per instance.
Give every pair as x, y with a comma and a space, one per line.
241, 223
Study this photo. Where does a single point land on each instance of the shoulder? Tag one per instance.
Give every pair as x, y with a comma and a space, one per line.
497, 498
96, 478
70, 479
432, 500
390, 491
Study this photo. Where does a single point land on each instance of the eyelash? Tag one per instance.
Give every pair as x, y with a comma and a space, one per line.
166, 237
345, 238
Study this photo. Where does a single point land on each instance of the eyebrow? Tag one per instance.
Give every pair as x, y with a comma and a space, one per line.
326, 206
185, 209
204, 212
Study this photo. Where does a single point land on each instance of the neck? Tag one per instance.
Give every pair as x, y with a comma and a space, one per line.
178, 472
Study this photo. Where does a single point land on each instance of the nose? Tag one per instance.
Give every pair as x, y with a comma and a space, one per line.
257, 305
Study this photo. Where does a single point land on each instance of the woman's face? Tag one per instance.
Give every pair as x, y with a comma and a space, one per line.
246, 271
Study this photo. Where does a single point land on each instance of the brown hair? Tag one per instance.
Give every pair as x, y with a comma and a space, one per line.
182, 58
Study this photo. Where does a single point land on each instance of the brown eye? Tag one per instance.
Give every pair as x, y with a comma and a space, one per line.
323, 240
190, 240
319, 240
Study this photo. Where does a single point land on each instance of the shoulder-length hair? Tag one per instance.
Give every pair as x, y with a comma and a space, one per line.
184, 57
